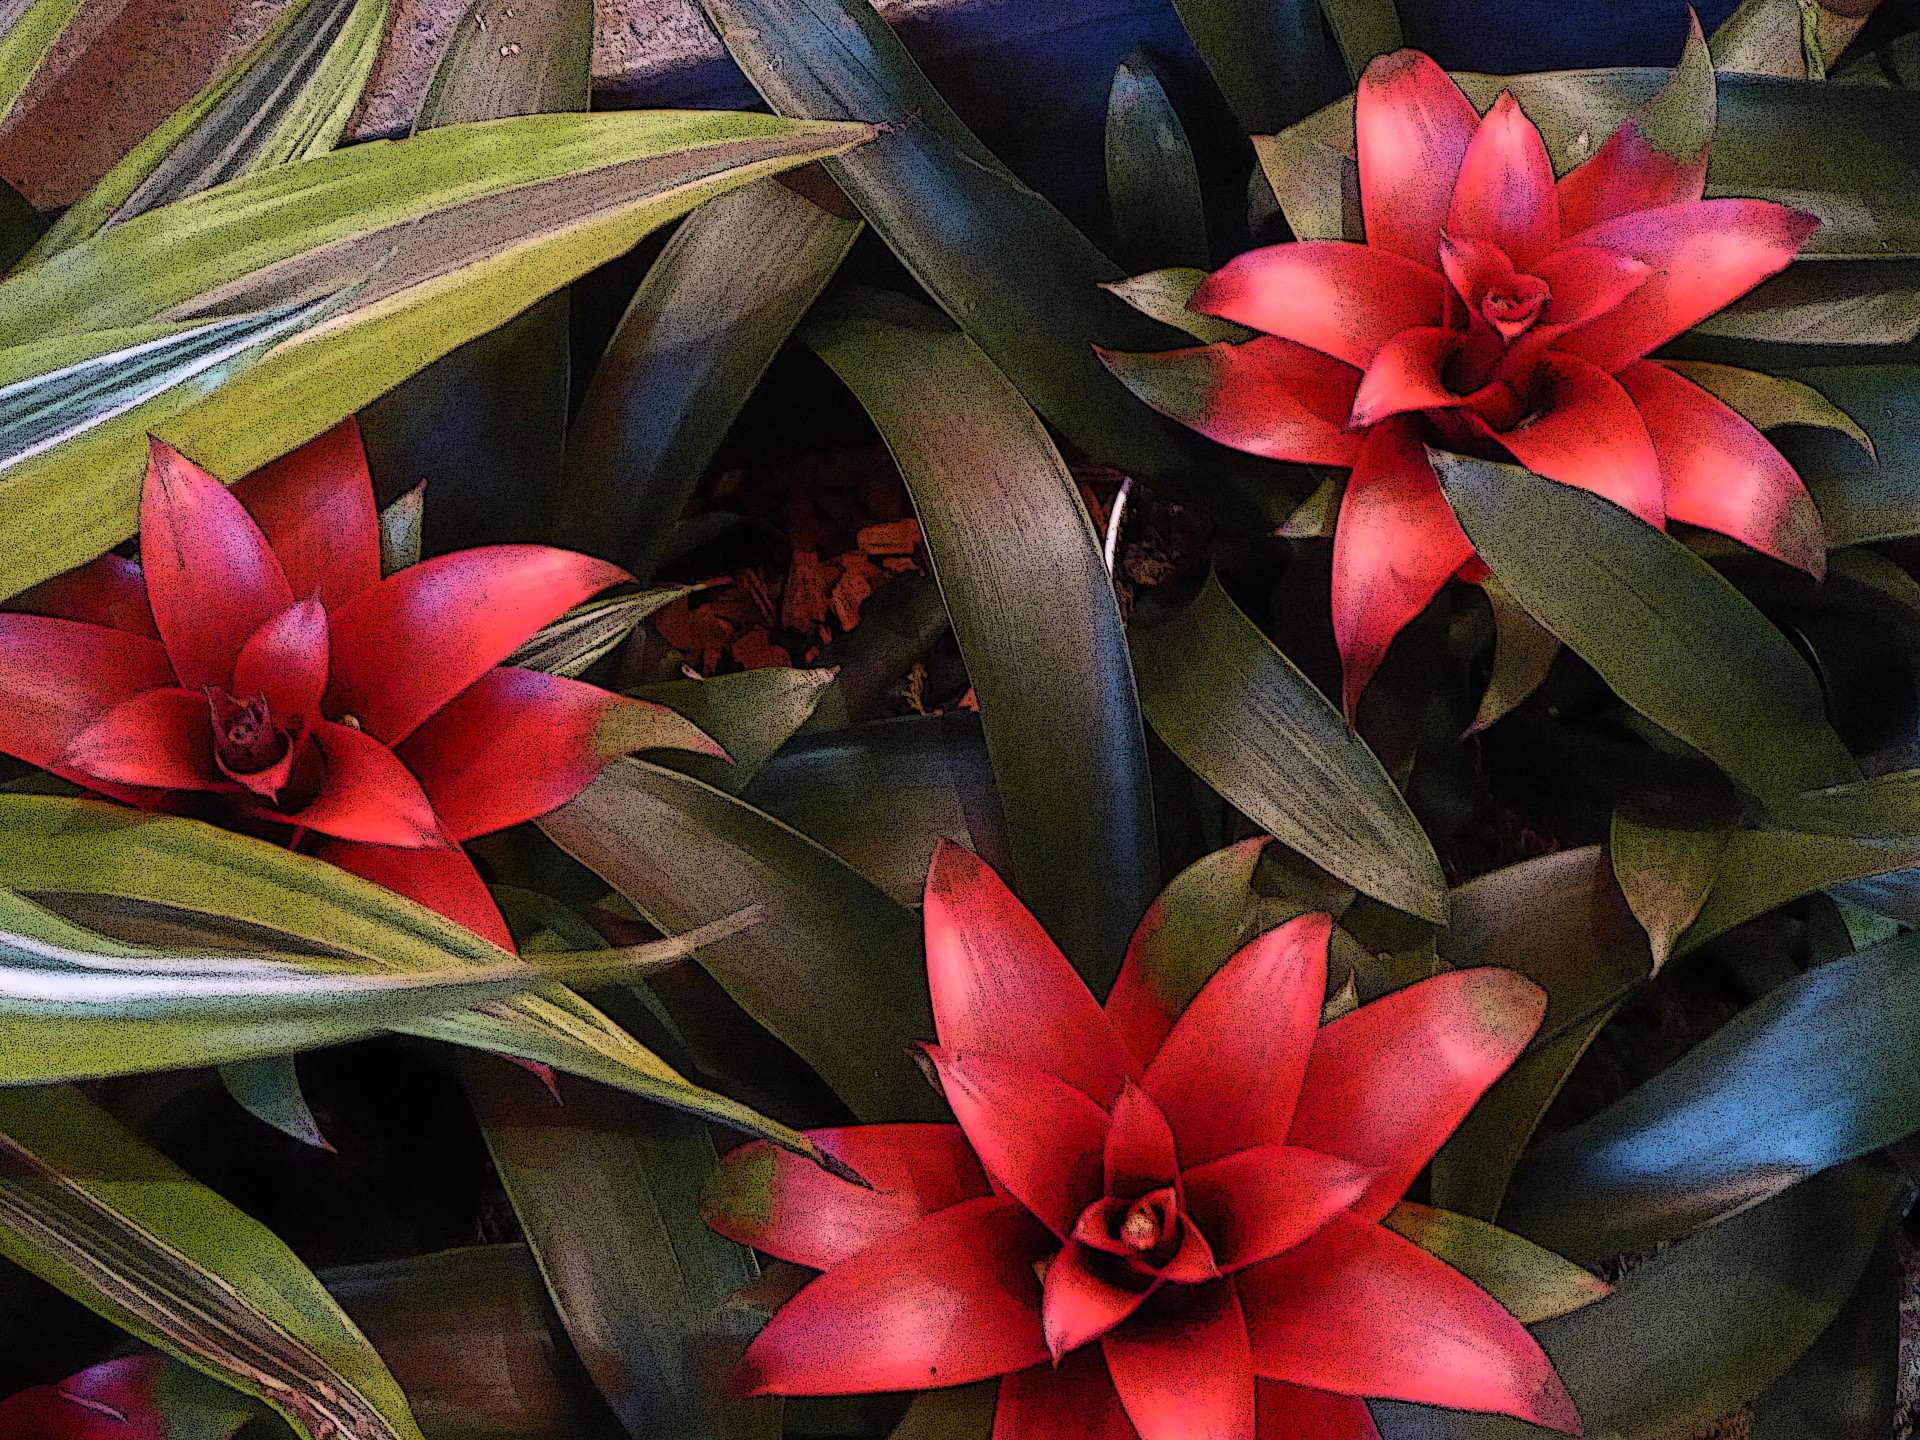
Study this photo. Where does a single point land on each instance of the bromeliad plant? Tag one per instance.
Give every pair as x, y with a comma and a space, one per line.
1154, 1222
1492, 309
255, 668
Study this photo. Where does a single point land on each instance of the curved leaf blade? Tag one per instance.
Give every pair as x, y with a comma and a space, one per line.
1243, 718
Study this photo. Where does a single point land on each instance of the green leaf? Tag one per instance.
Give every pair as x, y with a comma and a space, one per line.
997, 257
1811, 1074
1033, 608
58, 846
400, 525
469, 1334
1561, 921
1768, 401
1153, 186
607, 1191
829, 946
29, 34
1364, 30
1767, 37
255, 113
1703, 1327
1866, 497
964, 1412
88, 1208
448, 234
1666, 876
1243, 718
881, 795
1523, 653
1163, 295
707, 320
269, 1090
579, 639
1207, 912
1673, 638
70, 385
1267, 56
487, 423
1533, 1283
1848, 1382
752, 714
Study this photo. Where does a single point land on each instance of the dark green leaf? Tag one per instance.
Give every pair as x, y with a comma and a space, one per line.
1694, 1333
1163, 294
1364, 29
1813, 1073
607, 1191
1561, 921
1673, 638
1033, 608
91, 1210
752, 714
1534, 1284
962, 1413
1004, 263
881, 795
1523, 653
573, 644
1241, 716
269, 1090
708, 319
400, 530
471, 1336
1666, 876
1847, 1384
1267, 56
1153, 186
1866, 497
834, 966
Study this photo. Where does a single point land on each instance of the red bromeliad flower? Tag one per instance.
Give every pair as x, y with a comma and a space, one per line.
1154, 1226
256, 668
1497, 312
113, 1400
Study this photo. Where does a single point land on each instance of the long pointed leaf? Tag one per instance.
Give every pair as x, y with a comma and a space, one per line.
1033, 608
90, 1209
452, 232
28, 30
1243, 718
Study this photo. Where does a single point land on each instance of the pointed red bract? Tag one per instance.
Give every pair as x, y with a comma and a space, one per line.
1341, 299
159, 740
1255, 1203
951, 1299
1077, 1399
113, 1400
406, 647
1719, 472
1625, 174
108, 590
1585, 431
1139, 1154
789, 1207
1504, 192
1038, 1136
367, 794
212, 579
1361, 1311
1587, 282
442, 880
1704, 256
1408, 374
1412, 127
1395, 545
1001, 986
316, 508
1183, 1365
1266, 396
1387, 1083
1080, 1302
59, 676
517, 743
1229, 1073
285, 660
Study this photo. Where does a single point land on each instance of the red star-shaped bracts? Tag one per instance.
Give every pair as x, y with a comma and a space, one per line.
1493, 311
256, 658
1153, 1225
